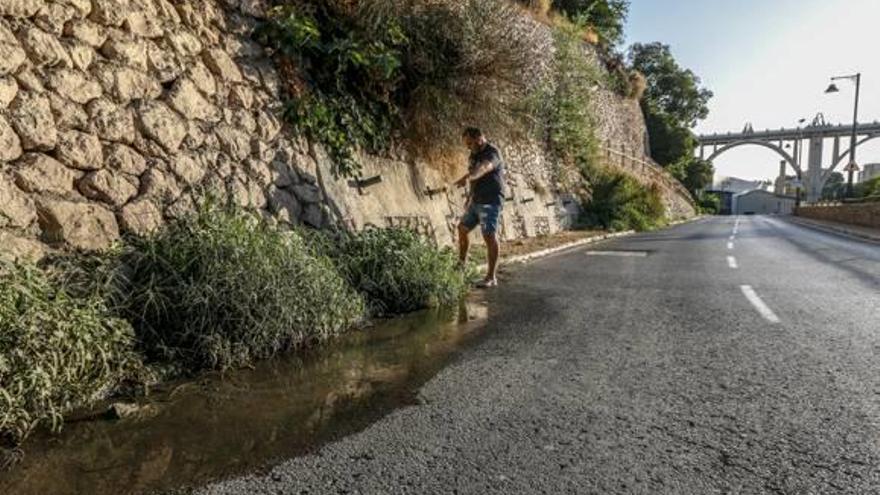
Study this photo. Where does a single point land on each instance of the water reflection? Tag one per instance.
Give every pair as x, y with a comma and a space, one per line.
222, 426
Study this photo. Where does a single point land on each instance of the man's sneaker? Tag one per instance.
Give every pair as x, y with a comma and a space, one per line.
487, 283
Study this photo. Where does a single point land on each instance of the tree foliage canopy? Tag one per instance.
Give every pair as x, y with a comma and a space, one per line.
671, 89
607, 17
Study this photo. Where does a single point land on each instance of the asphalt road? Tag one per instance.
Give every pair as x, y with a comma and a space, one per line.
701, 361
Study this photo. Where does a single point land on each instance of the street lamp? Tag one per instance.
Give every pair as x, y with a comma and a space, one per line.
852, 167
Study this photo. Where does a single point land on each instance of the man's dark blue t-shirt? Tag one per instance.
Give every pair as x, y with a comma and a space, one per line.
488, 189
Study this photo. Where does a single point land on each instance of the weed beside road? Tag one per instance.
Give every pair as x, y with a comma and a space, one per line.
216, 290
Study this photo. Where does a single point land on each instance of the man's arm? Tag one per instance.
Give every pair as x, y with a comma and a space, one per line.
481, 170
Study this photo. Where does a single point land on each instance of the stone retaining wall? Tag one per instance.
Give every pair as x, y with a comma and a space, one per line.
117, 115
862, 214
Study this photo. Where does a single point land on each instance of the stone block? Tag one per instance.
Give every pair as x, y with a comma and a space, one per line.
13, 247
144, 24
29, 80
186, 98
11, 57
16, 209
42, 48
159, 185
241, 95
74, 85
81, 55
52, 16
126, 51
307, 193
164, 64
110, 12
79, 225
125, 83
160, 123
183, 42
222, 65
10, 144
140, 217
68, 115
79, 150
233, 142
20, 8
285, 175
82, 7
111, 121
284, 206
313, 216
199, 74
87, 32
8, 90
108, 187
39, 173
31, 116
124, 159
186, 168
268, 125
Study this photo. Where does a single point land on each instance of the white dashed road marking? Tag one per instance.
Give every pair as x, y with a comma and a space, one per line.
756, 301
625, 254
729, 245
731, 262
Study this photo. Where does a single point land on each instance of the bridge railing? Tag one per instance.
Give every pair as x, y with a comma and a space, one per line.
644, 166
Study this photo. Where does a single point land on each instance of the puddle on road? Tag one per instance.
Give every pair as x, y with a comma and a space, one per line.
218, 427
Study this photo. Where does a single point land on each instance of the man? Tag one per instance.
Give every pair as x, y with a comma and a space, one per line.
486, 180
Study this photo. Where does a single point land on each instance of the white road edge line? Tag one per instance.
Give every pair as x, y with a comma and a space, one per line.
756, 301
731, 262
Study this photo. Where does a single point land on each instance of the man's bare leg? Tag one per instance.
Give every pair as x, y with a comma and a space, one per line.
492, 246
464, 243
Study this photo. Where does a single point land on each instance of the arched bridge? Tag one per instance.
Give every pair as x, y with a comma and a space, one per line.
789, 143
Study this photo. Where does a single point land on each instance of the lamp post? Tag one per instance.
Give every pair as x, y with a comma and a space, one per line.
852, 167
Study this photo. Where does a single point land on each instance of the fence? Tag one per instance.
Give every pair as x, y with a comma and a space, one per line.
645, 168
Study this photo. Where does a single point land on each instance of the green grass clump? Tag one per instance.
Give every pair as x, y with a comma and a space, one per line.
396, 270
222, 288
619, 202
57, 352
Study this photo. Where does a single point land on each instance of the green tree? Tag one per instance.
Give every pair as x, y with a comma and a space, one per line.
673, 103
694, 173
835, 186
671, 89
607, 17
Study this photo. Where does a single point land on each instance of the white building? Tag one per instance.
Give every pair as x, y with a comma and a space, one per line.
760, 202
869, 171
736, 185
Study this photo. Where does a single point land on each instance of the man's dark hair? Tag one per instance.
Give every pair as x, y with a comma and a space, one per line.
473, 133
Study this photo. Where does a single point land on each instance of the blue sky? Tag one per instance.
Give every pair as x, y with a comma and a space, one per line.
769, 62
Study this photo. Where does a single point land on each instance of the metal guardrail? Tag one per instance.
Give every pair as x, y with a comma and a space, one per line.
645, 166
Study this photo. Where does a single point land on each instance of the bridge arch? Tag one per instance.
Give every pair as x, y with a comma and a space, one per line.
778, 149
843, 156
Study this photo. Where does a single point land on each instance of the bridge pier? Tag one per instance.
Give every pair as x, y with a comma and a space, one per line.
779, 186
814, 182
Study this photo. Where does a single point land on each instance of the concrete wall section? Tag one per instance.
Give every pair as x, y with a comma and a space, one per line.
865, 214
